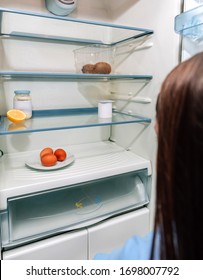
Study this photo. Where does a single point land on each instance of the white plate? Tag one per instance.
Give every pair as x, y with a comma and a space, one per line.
35, 163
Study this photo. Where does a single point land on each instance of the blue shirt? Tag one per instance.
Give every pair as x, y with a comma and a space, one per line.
135, 248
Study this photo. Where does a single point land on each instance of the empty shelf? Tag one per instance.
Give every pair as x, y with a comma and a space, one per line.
77, 31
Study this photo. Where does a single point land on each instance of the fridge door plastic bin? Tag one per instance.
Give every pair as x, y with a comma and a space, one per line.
39, 215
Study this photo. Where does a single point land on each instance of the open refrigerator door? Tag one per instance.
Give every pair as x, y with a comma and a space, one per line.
189, 24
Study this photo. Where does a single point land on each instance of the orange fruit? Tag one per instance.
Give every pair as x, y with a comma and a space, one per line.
49, 160
46, 151
16, 116
60, 154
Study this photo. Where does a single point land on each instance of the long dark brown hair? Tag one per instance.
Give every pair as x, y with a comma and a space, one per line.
179, 205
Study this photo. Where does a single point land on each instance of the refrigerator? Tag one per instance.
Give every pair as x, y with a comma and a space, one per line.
105, 192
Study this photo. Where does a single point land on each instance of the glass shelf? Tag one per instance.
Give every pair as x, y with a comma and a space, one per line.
70, 76
46, 120
190, 23
77, 31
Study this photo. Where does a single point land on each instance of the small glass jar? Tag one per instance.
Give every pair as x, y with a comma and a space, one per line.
23, 101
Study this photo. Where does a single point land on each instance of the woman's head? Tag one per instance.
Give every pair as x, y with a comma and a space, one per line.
179, 160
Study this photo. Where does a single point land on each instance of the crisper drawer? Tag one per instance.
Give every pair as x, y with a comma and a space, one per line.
41, 214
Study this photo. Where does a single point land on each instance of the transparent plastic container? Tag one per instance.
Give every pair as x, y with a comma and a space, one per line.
23, 101
36, 215
87, 57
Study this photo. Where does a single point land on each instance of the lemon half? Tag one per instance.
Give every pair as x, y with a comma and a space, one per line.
16, 116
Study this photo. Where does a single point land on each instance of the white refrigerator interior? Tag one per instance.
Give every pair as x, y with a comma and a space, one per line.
104, 192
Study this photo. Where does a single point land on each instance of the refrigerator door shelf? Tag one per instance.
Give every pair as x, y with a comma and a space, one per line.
190, 23
31, 217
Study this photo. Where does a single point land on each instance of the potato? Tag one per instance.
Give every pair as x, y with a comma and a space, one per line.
102, 68
88, 68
